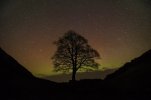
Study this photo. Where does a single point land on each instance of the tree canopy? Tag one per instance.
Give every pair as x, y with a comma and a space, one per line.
74, 53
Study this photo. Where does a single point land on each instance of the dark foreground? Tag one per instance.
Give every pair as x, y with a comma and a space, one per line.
77, 91
130, 82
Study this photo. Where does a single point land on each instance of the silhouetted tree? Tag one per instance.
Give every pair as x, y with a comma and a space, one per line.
74, 53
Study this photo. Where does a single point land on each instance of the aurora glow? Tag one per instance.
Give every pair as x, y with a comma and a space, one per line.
119, 29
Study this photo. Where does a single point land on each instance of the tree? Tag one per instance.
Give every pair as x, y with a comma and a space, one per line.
74, 53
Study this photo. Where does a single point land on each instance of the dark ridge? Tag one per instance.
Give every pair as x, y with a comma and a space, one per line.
135, 74
11, 68
17, 83
144, 59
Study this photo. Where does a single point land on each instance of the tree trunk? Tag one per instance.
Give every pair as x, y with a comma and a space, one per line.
74, 75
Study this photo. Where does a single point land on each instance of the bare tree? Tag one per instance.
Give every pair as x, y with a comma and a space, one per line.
74, 53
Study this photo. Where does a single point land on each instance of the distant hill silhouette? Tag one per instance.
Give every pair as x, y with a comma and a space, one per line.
80, 75
130, 82
133, 75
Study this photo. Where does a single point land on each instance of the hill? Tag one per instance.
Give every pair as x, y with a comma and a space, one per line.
134, 75
17, 82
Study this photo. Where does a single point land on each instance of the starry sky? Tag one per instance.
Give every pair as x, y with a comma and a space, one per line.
119, 30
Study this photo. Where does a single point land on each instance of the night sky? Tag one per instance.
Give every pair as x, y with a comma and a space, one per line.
119, 30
